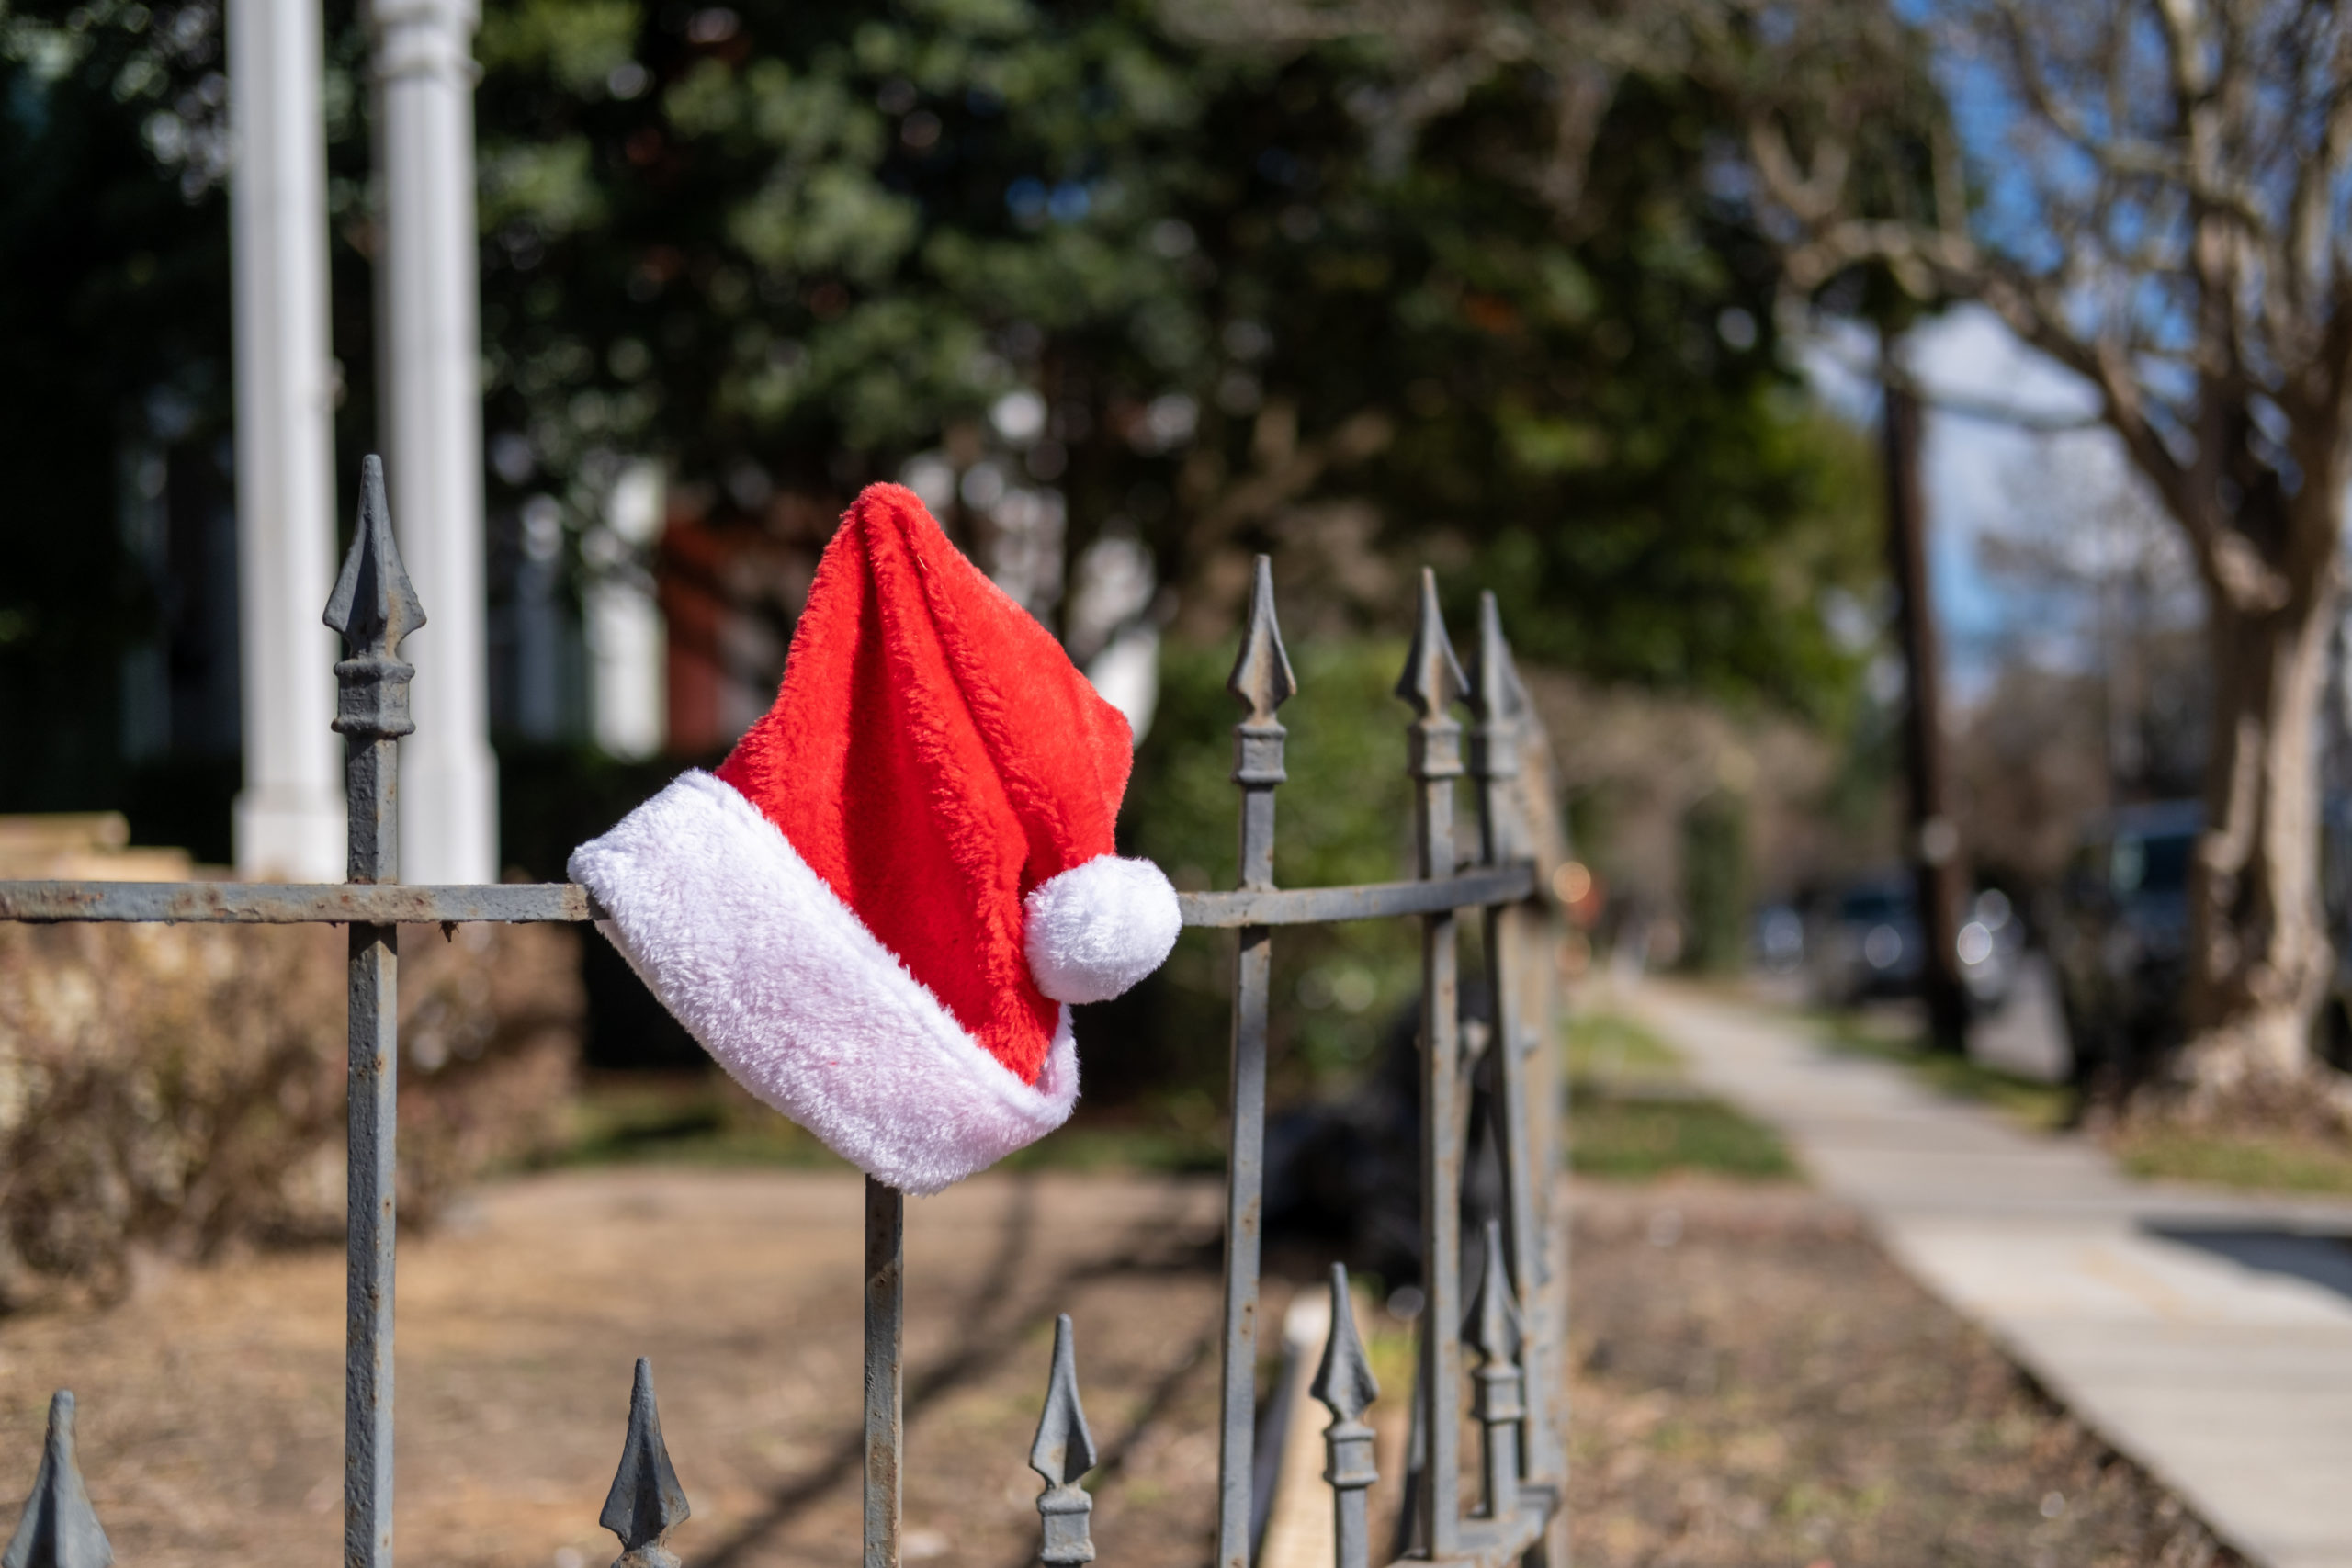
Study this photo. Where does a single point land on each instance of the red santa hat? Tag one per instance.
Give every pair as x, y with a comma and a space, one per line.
875, 914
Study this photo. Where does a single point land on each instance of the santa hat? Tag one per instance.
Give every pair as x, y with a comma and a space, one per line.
875, 914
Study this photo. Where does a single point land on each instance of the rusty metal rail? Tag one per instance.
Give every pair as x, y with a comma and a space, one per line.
1365, 901
1514, 1326
399, 904
295, 903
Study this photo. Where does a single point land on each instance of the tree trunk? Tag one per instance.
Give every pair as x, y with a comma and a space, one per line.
1938, 875
2258, 949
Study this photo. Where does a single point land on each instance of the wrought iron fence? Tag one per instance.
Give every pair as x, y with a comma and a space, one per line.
1513, 1323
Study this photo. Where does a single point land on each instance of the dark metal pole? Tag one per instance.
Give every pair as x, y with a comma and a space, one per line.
1497, 700
1935, 839
645, 1502
1498, 1397
373, 607
58, 1527
886, 1381
1432, 683
1263, 681
1347, 1388
1063, 1453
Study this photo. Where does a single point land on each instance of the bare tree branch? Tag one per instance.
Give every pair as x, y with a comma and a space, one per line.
2167, 217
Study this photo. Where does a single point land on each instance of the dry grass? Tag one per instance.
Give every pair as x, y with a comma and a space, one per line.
2264, 1162
1758, 1385
1753, 1385
211, 1400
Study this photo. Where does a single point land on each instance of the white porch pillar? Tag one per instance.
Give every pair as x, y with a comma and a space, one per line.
428, 329
288, 820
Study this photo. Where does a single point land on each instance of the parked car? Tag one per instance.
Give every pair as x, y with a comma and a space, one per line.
2122, 935
1776, 940
2124, 942
2332, 1036
1991, 948
1870, 945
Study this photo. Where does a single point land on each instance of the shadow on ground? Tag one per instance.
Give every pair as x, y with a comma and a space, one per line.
2320, 1258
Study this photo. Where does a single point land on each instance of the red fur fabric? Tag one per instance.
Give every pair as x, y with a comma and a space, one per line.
934, 756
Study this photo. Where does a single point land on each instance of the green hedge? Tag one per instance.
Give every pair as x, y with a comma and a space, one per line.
1344, 816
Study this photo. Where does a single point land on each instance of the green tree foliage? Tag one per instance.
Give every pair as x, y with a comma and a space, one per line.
788, 247
816, 242
114, 291
1345, 815
1594, 418
813, 239
1716, 893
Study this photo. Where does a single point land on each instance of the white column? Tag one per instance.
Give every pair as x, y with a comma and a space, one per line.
627, 643
289, 820
429, 337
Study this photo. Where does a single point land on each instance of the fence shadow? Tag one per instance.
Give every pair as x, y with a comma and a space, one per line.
2323, 1257
983, 1349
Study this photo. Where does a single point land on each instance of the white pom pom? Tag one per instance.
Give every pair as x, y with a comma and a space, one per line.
1097, 928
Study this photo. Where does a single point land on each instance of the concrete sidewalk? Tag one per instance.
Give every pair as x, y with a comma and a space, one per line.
2207, 1336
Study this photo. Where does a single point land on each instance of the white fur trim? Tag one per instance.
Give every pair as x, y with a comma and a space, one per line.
798, 1000
1098, 928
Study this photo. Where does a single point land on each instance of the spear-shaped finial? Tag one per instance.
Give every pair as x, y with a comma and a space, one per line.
1347, 1388
1062, 1454
374, 605
1432, 681
59, 1528
1344, 1383
1496, 695
1493, 1319
1498, 1395
1064, 1450
1497, 701
1262, 677
646, 1502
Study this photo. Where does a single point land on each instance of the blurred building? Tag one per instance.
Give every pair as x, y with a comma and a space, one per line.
650, 620
729, 587
178, 522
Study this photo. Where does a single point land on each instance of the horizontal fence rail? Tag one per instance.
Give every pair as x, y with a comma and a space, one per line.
295, 903
394, 903
1366, 901
1513, 1321
513, 903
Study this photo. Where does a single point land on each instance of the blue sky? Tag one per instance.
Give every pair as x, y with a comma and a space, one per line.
1980, 475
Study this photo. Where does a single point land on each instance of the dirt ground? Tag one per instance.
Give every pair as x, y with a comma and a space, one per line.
1754, 1385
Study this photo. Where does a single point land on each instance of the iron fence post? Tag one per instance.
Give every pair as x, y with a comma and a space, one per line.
1497, 1402
373, 607
57, 1528
1347, 1388
886, 1385
1496, 702
1432, 683
1062, 1454
645, 1503
1262, 682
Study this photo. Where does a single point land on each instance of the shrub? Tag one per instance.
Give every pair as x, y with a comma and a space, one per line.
1344, 816
178, 1090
